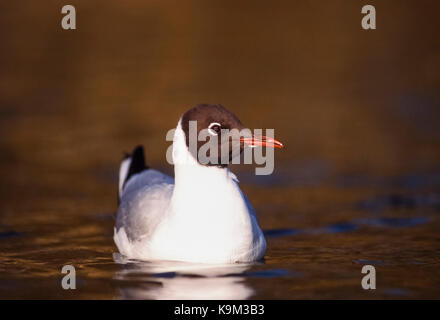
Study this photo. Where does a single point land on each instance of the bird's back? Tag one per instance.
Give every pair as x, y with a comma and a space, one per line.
144, 196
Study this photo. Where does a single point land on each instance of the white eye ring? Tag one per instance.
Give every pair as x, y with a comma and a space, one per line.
211, 131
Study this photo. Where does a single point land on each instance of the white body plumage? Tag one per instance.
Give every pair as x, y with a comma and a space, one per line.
203, 217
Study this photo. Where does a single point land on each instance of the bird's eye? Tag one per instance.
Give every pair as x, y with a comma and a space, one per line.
215, 128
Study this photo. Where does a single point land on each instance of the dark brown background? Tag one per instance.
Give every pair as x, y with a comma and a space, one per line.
365, 101
345, 102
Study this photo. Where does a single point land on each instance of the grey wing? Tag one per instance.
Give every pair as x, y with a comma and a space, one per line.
143, 202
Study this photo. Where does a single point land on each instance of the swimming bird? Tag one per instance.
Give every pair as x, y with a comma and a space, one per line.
201, 215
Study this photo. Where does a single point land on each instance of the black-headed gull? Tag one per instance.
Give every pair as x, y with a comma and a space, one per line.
202, 215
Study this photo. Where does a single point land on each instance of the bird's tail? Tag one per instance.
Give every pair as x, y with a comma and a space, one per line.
132, 164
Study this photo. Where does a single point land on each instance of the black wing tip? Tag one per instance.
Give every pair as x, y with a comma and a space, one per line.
137, 164
138, 153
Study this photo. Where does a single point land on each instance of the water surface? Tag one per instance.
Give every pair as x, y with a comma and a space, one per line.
320, 256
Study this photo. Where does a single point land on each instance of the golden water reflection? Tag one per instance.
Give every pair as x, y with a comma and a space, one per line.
184, 281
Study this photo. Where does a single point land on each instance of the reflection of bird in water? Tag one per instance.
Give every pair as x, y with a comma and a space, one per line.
174, 280
203, 216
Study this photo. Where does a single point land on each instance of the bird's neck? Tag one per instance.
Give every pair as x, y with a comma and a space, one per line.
206, 193
200, 188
